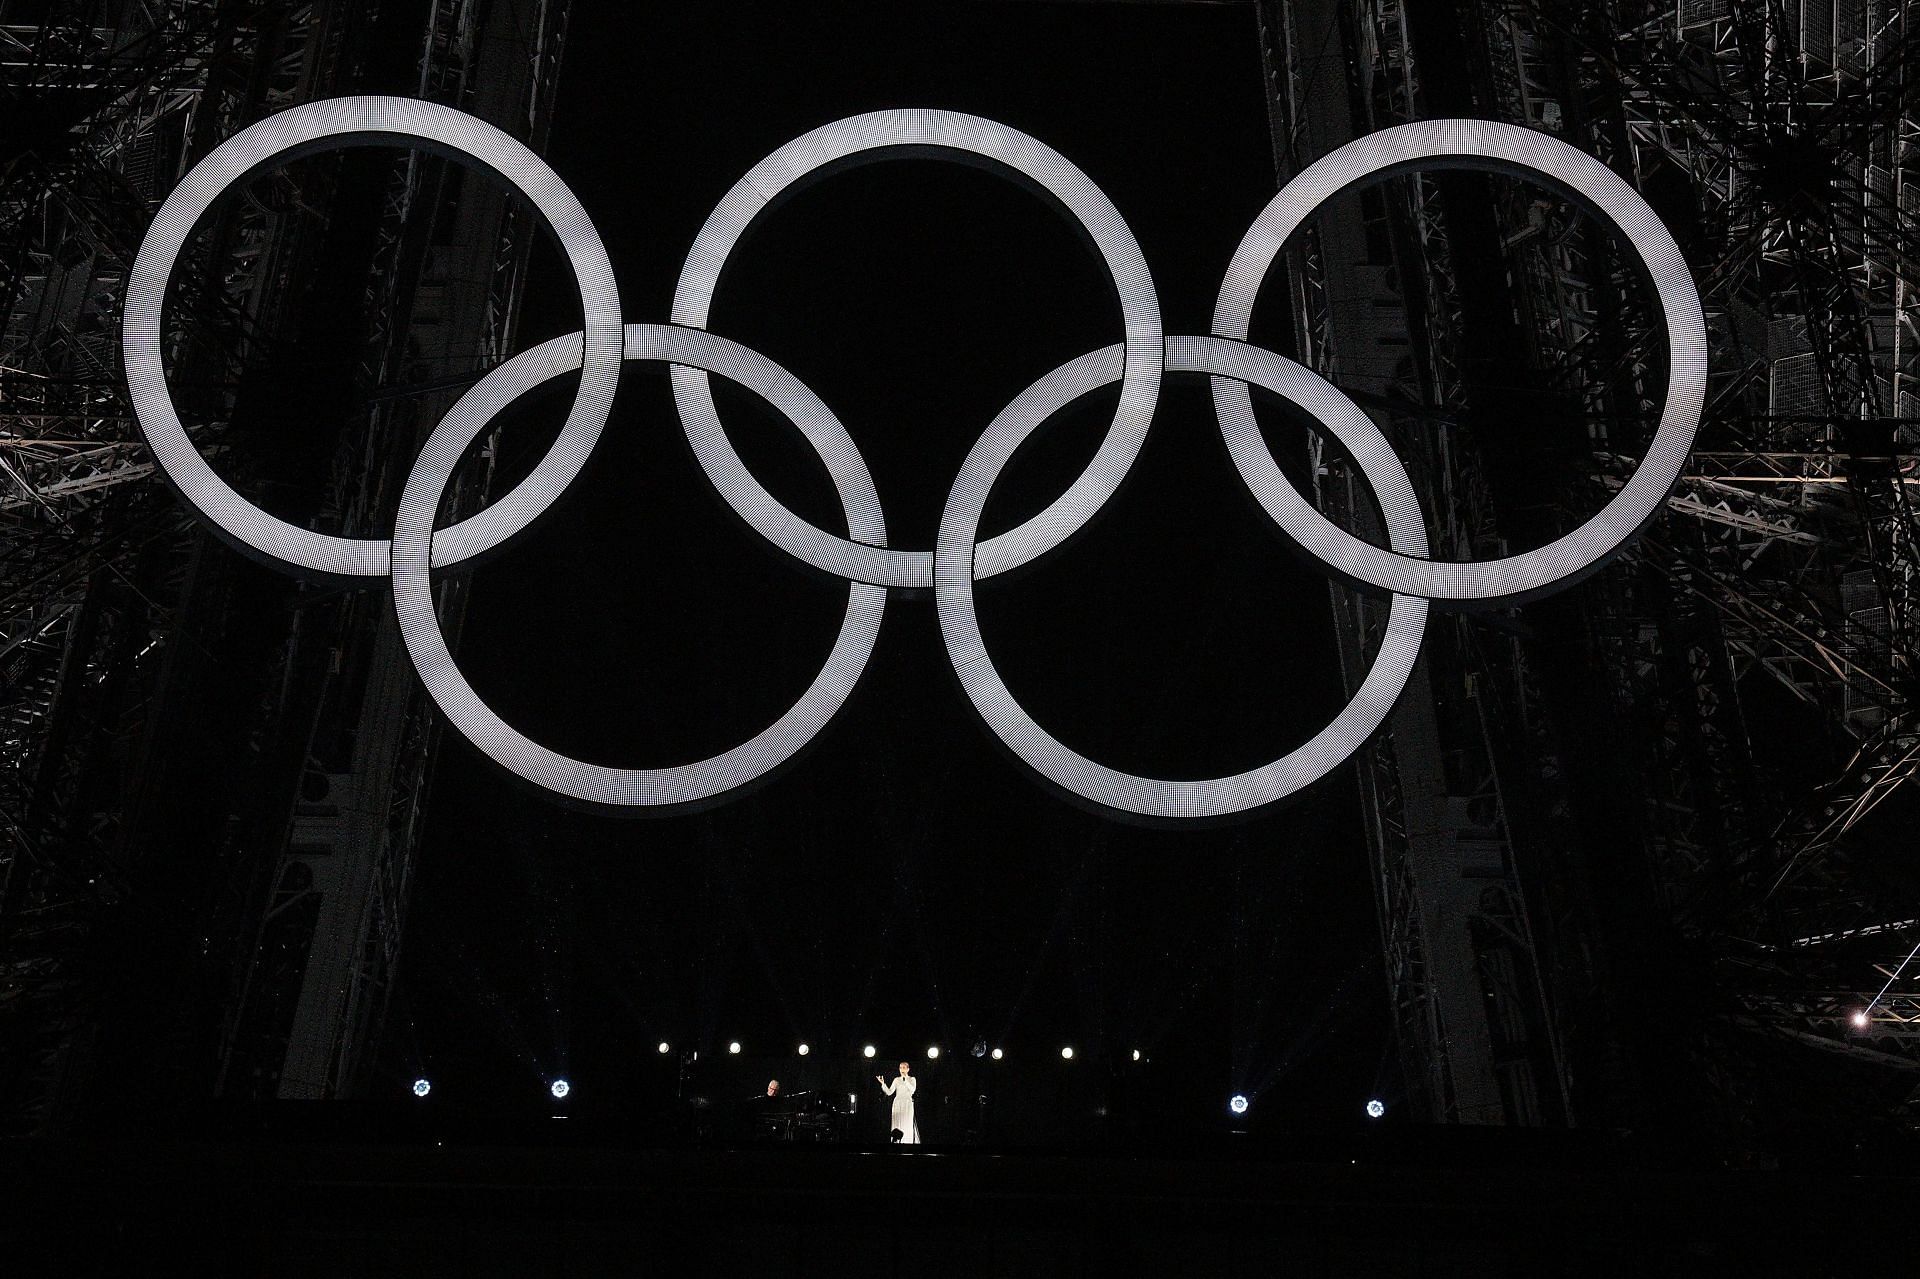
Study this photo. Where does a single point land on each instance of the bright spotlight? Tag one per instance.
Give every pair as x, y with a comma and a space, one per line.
996, 1054
421, 1087
1860, 1019
734, 1047
1066, 1053
1376, 1108
560, 1089
665, 1048
1237, 1104
933, 1053
867, 1051
804, 1050
1136, 1054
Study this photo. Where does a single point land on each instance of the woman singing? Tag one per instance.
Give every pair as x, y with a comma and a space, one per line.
905, 1130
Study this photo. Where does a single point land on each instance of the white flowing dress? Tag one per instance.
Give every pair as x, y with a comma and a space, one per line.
902, 1090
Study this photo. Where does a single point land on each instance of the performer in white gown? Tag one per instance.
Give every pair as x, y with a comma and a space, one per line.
901, 1090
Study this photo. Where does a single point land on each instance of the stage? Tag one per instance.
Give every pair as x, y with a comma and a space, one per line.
279, 1202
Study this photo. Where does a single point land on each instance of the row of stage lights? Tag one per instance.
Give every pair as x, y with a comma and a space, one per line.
1238, 1103
870, 1052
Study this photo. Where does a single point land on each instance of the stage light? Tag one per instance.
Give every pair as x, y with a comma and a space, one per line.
665, 1048
421, 1087
804, 1050
560, 1089
1136, 1054
933, 1053
996, 1054
1376, 1108
1066, 1053
734, 1048
979, 1047
867, 1051
1237, 1104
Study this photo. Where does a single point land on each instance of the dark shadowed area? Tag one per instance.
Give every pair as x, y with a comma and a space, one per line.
906, 882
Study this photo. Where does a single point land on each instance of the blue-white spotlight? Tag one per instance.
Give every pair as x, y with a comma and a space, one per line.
734, 1048
560, 1088
1237, 1104
665, 1048
804, 1050
421, 1087
1376, 1108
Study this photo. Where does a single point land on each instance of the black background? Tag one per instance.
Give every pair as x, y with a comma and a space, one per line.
906, 882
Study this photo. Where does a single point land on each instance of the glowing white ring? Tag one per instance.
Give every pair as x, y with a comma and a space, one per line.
964, 135
1505, 147
414, 535
863, 557
1151, 796
351, 122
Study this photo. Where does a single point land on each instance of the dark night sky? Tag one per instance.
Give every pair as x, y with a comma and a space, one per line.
905, 881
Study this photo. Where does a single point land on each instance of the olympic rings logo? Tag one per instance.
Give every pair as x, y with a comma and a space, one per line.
958, 558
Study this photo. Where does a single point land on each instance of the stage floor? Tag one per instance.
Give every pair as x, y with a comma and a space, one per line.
270, 1205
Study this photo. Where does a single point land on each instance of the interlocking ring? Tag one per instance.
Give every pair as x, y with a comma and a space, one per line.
413, 538
940, 134
1152, 796
1507, 148
363, 121
958, 559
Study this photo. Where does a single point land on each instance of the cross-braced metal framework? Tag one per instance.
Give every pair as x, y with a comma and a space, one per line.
1462, 947
1761, 638
1792, 127
106, 106
112, 619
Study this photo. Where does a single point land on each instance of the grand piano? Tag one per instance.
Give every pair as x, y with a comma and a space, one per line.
792, 1116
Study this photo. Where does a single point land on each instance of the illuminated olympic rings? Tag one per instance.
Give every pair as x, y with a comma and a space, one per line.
958, 558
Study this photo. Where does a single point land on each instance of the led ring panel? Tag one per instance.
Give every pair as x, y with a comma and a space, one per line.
1508, 148
862, 557
1154, 796
357, 122
935, 133
414, 535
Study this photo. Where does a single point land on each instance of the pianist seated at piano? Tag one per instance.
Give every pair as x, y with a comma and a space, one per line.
779, 1115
